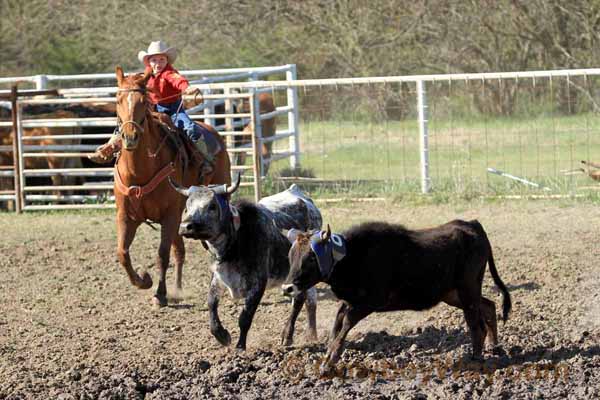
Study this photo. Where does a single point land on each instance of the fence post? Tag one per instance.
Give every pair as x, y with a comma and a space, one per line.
41, 82
292, 100
16, 153
258, 125
256, 144
424, 136
209, 110
229, 140
21, 164
255, 111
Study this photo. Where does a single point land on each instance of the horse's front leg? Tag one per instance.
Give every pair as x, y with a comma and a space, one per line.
168, 233
178, 249
126, 229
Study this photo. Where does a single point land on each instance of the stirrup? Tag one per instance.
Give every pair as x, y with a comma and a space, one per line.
103, 154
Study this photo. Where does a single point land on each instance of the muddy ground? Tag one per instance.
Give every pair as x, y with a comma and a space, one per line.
72, 327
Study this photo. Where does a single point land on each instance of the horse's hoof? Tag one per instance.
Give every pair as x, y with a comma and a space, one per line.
222, 336
146, 282
159, 301
287, 342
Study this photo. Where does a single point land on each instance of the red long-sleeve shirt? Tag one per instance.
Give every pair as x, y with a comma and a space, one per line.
166, 87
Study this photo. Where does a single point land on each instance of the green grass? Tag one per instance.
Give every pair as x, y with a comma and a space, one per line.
379, 158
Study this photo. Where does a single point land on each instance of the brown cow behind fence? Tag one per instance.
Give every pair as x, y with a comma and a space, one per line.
50, 162
269, 127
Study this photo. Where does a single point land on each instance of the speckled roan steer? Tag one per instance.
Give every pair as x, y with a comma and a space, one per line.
250, 252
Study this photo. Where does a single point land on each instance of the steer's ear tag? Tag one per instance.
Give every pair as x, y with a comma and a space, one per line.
329, 248
338, 247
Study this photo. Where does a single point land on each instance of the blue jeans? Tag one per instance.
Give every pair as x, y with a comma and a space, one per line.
181, 119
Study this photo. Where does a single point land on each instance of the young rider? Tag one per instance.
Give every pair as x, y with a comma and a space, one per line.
165, 89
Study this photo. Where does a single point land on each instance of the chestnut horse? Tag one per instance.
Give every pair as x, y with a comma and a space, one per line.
142, 191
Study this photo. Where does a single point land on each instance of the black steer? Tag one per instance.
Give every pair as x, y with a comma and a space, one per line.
377, 267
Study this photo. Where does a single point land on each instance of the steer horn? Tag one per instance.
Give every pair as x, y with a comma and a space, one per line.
326, 235
236, 185
179, 189
223, 189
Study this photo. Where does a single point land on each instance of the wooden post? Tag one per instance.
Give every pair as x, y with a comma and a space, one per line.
229, 140
256, 146
16, 157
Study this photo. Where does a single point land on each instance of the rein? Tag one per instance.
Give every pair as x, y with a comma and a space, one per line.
160, 145
196, 94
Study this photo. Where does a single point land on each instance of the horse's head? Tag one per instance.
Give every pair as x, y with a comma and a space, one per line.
131, 106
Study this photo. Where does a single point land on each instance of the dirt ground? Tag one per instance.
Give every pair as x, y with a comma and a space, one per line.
72, 326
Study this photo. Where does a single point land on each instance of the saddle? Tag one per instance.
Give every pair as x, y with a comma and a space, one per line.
178, 140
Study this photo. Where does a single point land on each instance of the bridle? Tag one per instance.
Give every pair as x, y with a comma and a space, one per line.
121, 124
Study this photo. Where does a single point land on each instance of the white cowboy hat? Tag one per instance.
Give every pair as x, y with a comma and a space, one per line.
158, 47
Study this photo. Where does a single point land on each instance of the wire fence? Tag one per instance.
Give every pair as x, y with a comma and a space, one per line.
470, 135
498, 136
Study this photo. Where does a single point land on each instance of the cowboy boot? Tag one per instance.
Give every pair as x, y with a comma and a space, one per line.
207, 164
105, 153
201, 147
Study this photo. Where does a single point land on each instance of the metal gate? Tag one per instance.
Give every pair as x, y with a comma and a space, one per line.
94, 185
